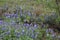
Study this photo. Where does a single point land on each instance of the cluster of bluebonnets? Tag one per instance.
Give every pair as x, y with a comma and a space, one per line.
16, 26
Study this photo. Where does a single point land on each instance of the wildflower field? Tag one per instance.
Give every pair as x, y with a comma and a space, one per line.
29, 20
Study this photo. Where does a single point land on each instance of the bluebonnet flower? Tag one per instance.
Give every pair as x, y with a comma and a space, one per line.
35, 25
16, 15
33, 30
50, 30
7, 33
47, 31
18, 34
29, 13
12, 22
1, 22
5, 24
7, 15
12, 15
33, 36
53, 35
26, 24
3, 28
30, 28
23, 32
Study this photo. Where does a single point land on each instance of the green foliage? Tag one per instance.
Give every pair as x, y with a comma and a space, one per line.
25, 38
58, 20
49, 6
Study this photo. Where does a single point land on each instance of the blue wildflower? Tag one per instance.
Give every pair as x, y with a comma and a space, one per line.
23, 32
1, 22
3, 28
12, 22
26, 24
7, 15
33, 36
35, 26
18, 34
29, 13
7, 33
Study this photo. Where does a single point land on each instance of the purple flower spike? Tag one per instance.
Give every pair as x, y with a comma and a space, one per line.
7, 15
47, 31
1, 22
18, 35
29, 13
3, 28
8, 32
35, 26
23, 30
12, 15
16, 15
53, 35
33, 36
26, 24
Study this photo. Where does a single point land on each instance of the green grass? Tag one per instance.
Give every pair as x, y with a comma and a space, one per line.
29, 5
